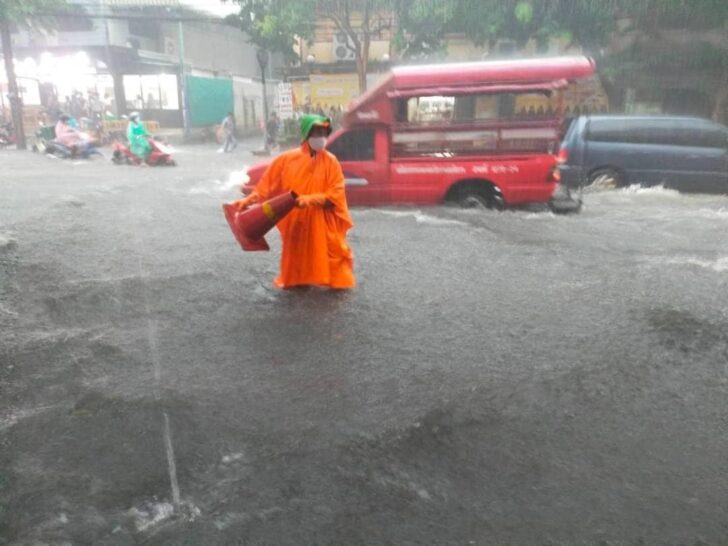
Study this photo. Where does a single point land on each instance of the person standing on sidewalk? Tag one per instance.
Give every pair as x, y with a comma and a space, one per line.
228, 131
315, 251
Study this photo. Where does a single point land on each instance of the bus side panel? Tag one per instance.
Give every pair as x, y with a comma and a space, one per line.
523, 179
367, 180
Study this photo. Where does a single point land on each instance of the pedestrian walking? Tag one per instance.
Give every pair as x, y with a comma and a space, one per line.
228, 131
271, 131
315, 250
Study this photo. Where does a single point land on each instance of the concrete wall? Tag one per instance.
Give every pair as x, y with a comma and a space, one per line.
248, 98
217, 48
324, 51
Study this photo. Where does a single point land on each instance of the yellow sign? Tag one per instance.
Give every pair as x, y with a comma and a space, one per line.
329, 90
301, 90
119, 126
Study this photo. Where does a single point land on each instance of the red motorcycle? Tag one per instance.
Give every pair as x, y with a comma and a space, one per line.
160, 156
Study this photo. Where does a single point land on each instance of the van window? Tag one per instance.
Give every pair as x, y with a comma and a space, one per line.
709, 137
355, 145
679, 132
670, 132
618, 130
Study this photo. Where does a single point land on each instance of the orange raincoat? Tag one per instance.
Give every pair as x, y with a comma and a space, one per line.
315, 251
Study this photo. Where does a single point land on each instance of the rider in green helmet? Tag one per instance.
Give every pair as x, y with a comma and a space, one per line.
138, 137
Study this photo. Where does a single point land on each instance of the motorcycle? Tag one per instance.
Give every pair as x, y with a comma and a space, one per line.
45, 142
161, 154
7, 134
83, 150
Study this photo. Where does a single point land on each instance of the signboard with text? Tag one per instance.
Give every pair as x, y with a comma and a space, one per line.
284, 100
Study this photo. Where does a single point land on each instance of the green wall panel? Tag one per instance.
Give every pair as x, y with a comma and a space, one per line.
209, 100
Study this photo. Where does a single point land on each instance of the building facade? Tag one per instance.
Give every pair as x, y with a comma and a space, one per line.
180, 67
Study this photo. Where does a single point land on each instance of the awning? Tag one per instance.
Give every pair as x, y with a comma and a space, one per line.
478, 89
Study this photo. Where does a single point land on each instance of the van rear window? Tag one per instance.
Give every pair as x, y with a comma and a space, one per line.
615, 130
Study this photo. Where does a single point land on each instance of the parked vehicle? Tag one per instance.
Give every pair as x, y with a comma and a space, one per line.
687, 154
456, 132
161, 154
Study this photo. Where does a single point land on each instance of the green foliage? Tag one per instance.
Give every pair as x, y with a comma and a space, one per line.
20, 10
587, 22
652, 19
523, 12
421, 25
275, 24
652, 15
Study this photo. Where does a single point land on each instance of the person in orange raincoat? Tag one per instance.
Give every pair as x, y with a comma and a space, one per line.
315, 251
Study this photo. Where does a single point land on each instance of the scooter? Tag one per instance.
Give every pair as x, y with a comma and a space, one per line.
161, 154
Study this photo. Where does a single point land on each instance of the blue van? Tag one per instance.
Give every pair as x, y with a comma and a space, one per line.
686, 154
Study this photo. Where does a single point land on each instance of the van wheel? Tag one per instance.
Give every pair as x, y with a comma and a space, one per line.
604, 179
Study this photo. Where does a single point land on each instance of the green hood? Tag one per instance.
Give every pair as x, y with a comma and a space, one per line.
308, 122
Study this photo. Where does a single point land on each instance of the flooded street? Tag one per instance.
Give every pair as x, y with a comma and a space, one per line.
495, 378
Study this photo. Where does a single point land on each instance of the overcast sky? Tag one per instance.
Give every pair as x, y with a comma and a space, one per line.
213, 6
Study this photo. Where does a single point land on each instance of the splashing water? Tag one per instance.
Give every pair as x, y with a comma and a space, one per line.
421, 218
719, 266
215, 186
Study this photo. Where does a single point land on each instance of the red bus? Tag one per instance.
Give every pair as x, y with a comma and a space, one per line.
477, 134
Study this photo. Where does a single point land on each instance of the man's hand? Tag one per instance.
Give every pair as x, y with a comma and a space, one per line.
311, 200
245, 202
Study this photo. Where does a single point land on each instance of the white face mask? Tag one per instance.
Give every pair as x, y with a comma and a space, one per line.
317, 143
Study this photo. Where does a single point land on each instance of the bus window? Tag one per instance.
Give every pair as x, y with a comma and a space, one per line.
430, 110
355, 145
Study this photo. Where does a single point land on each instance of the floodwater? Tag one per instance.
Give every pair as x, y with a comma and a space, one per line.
495, 378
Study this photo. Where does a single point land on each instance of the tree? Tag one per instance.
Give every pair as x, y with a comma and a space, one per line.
654, 24
14, 12
276, 24
584, 22
360, 20
421, 25
592, 25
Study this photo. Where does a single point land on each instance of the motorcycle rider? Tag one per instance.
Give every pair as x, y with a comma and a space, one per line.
138, 137
70, 137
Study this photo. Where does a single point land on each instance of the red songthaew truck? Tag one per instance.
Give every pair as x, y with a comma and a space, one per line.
457, 132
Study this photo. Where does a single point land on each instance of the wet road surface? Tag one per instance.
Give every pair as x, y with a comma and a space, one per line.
496, 378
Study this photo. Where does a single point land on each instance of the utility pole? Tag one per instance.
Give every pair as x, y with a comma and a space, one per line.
111, 66
183, 81
262, 56
16, 103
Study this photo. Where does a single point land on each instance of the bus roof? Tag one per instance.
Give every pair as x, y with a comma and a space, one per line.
515, 70
464, 78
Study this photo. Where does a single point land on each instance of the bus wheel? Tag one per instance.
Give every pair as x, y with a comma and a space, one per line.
477, 198
472, 199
